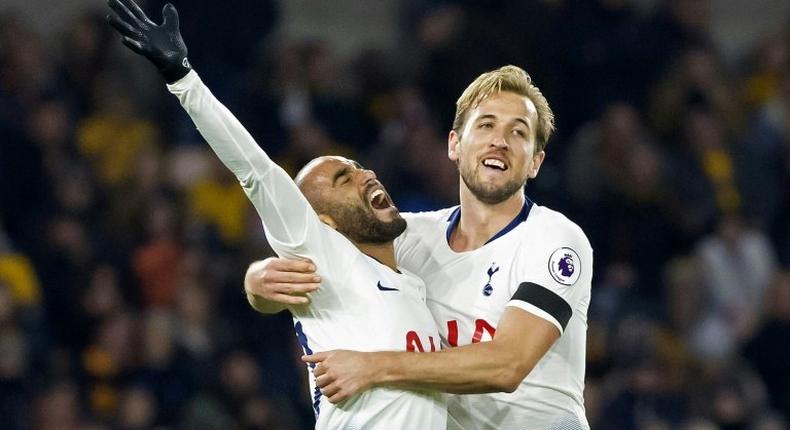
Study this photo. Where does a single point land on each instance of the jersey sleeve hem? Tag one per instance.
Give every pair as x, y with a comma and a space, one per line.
529, 307
184, 83
546, 300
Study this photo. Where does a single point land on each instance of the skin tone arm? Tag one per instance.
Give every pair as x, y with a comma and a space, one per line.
520, 341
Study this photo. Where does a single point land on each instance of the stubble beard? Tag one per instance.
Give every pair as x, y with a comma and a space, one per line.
361, 226
489, 193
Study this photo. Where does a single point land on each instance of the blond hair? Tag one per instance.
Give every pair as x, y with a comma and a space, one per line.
512, 79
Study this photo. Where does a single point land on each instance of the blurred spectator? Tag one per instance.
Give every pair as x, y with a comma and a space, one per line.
602, 41
14, 359
766, 160
157, 262
772, 60
703, 178
59, 408
737, 399
114, 135
105, 362
696, 81
86, 44
675, 25
19, 276
735, 265
164, 371
408, 139
616, 177
768, 351
23, 185
137, 409
217, 200
195, 329
648, 389
25, 67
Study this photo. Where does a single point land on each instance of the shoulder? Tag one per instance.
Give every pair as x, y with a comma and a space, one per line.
418, 222
555, 229
440, 215
555, 249
422, 227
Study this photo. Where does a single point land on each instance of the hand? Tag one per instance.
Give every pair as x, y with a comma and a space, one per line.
342, 374
282, 281
161, 44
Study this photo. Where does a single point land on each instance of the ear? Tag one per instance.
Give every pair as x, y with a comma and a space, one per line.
537, 161
453, 142
328, 220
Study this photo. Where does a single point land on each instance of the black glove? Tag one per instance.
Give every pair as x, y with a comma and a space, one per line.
161, 44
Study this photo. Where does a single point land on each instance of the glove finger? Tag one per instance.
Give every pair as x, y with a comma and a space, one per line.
170, 15
134, 45
122, 26
124, 13
135, 9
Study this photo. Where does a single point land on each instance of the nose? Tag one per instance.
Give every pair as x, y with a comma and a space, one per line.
367, 175
499, 140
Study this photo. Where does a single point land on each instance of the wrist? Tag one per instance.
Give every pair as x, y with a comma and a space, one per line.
174, 71
382, 371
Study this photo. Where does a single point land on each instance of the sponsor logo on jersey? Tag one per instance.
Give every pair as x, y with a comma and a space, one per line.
488, 289
565, 266
383, 288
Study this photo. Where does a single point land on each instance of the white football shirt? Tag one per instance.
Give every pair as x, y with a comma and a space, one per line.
362, 304
545, 261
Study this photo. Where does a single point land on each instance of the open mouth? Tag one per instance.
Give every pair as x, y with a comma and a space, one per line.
495, 164
379, 200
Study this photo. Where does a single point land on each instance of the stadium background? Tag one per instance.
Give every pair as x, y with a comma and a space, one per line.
123, 242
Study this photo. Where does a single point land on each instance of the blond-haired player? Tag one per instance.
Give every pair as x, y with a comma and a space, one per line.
508, 280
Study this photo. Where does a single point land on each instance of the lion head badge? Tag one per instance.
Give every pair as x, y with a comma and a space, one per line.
565, 266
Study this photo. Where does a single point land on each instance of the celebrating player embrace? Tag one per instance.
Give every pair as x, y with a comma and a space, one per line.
498, 267
345, 222
508, 281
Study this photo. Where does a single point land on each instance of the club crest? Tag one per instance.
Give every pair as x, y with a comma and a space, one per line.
565, 266
488, 289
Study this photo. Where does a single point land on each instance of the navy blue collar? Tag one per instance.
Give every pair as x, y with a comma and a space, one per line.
455, 217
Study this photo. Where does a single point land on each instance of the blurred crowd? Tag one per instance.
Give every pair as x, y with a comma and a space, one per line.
124, 242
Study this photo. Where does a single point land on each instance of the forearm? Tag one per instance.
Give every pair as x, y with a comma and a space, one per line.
227, 137
278, 201
480, 368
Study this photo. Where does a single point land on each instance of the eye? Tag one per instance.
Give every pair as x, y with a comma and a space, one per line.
519, 132
344, 180
487, 125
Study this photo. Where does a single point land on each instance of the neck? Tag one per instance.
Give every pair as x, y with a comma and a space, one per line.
383, 252
481, 221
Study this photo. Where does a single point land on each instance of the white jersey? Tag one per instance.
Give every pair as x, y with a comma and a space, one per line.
361, 305
542, 259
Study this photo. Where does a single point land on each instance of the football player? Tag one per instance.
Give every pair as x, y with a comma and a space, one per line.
342, 219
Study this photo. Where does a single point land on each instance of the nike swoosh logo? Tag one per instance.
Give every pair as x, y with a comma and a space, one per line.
383, 288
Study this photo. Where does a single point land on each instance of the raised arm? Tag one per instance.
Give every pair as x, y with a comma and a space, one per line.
286, 213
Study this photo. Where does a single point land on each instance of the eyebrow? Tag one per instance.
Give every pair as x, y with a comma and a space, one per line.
339, 174
492, 116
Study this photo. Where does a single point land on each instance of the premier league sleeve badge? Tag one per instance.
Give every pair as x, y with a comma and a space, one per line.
565, 266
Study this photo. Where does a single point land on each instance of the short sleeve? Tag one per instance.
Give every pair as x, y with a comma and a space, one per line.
554, 279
